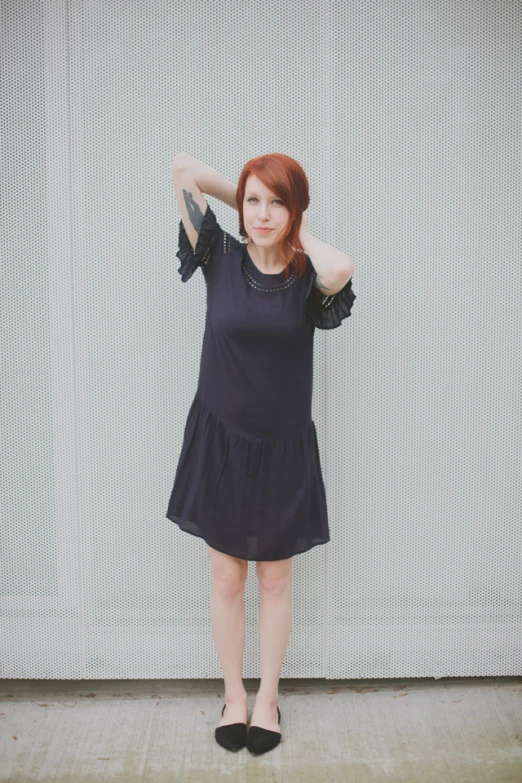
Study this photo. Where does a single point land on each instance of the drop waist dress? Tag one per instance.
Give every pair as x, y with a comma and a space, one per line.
248, 478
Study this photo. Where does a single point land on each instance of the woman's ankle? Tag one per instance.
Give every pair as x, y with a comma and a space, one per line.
237, 696
269, 699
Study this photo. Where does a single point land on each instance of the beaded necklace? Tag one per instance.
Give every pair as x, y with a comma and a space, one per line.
264, 286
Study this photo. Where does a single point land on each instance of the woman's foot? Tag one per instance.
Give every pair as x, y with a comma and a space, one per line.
261, 738
235, 712
265, 716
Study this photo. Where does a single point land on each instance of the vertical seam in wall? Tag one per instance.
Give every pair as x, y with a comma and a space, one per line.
325, 190
69, 33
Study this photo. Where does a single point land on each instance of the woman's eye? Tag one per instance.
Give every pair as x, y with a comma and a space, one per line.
277, 200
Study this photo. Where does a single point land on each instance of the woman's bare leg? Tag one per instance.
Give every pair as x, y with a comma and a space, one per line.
274, 626
227, 621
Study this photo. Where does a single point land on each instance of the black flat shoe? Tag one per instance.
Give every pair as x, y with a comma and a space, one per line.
233, 736
260, 740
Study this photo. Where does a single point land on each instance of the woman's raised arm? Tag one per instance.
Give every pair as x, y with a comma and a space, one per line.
206, 178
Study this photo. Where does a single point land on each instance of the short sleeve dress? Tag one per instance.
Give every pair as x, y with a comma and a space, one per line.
248, 479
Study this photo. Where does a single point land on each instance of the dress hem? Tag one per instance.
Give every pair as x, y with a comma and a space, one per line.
179, 523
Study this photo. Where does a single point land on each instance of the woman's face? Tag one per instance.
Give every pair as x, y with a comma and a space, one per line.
263, 209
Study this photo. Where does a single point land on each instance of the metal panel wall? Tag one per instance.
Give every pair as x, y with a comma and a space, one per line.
407, 119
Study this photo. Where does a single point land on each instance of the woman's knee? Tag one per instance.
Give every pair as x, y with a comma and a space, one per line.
228, 573
274, 576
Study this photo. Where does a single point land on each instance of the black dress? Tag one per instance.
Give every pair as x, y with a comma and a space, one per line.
248, 479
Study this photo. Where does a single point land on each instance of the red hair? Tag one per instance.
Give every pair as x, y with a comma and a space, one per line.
286, 178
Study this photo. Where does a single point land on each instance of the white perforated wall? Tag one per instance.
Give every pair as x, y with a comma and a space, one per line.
407, 118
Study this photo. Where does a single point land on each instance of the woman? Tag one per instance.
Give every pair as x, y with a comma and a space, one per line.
249, 480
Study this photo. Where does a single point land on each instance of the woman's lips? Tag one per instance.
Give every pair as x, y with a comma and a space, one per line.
263, 230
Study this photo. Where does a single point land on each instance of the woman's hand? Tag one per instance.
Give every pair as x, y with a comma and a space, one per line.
304, 233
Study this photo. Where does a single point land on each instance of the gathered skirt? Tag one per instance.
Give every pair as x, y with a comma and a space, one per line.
255, 497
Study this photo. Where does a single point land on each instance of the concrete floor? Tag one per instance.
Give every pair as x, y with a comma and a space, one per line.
462, 730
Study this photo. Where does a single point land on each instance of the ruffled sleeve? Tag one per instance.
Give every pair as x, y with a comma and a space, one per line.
208, 238
327, 312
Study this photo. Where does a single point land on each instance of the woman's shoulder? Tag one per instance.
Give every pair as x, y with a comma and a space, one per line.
229, 243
